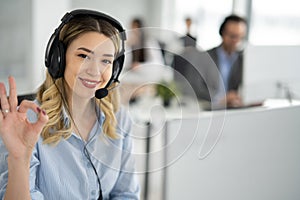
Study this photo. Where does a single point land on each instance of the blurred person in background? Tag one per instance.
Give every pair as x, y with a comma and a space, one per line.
228, 57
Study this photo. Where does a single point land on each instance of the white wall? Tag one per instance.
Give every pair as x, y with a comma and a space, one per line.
124, 11
46, 17
16, 41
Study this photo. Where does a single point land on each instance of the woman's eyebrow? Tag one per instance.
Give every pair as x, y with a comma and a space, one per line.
85, 49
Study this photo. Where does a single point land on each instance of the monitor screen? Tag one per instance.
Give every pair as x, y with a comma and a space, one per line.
271, 72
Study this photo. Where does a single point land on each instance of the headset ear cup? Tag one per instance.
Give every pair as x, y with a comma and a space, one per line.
57, 60
62, 61
117, 68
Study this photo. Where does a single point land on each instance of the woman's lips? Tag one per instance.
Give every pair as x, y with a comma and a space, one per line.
89, 83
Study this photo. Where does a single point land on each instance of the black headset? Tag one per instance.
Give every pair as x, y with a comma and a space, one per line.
56, 51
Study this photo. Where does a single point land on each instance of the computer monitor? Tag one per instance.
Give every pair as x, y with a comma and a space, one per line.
271, 72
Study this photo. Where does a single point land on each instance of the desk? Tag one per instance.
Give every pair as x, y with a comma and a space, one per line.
257, 156
228, 157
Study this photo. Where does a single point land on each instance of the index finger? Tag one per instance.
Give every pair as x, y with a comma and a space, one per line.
25, 105
13, 100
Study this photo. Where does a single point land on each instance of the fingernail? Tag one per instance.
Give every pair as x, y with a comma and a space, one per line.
38, 109
44, 112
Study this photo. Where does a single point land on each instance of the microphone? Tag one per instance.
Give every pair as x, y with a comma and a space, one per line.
101, 93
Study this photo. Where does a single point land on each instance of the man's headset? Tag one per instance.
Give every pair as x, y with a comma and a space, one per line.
55, 51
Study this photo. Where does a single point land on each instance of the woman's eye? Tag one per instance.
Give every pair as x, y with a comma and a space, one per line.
83, 56
108, 62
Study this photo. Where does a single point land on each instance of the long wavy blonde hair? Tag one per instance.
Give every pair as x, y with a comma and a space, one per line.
51, 94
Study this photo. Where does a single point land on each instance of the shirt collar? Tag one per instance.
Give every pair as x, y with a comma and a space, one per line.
223, 53
97, 128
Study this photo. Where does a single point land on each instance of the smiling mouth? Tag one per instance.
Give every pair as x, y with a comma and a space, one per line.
89, 83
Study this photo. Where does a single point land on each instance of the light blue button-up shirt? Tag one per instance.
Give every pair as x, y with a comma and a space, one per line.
63, 172
225, 63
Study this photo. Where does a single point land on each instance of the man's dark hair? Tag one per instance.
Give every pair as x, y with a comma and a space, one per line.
231, 18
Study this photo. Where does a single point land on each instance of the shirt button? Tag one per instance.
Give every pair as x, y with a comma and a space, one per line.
93, 192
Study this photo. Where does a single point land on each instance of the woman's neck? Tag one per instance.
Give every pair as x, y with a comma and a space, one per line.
81, 107
83, 114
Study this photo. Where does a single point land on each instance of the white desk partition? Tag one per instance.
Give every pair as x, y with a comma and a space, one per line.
257, 157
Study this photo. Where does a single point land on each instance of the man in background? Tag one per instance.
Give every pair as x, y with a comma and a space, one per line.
188, 39
228, 57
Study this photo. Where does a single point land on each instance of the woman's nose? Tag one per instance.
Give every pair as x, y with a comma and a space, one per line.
94, 68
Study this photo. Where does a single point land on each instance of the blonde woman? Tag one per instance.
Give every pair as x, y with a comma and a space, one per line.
73, 142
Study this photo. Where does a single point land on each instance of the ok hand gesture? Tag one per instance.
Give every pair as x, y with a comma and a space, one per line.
17, 133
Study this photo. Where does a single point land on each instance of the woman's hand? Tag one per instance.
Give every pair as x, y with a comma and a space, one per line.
17, 133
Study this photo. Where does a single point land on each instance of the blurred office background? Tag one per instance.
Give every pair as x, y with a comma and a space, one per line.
26, 26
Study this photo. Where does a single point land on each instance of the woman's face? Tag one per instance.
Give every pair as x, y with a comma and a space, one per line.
89, 60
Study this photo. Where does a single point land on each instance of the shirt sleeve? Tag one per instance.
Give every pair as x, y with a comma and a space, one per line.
3, 169
34, 190
127, 186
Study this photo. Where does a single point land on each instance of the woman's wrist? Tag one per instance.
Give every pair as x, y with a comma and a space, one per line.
19, 161
18, 178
